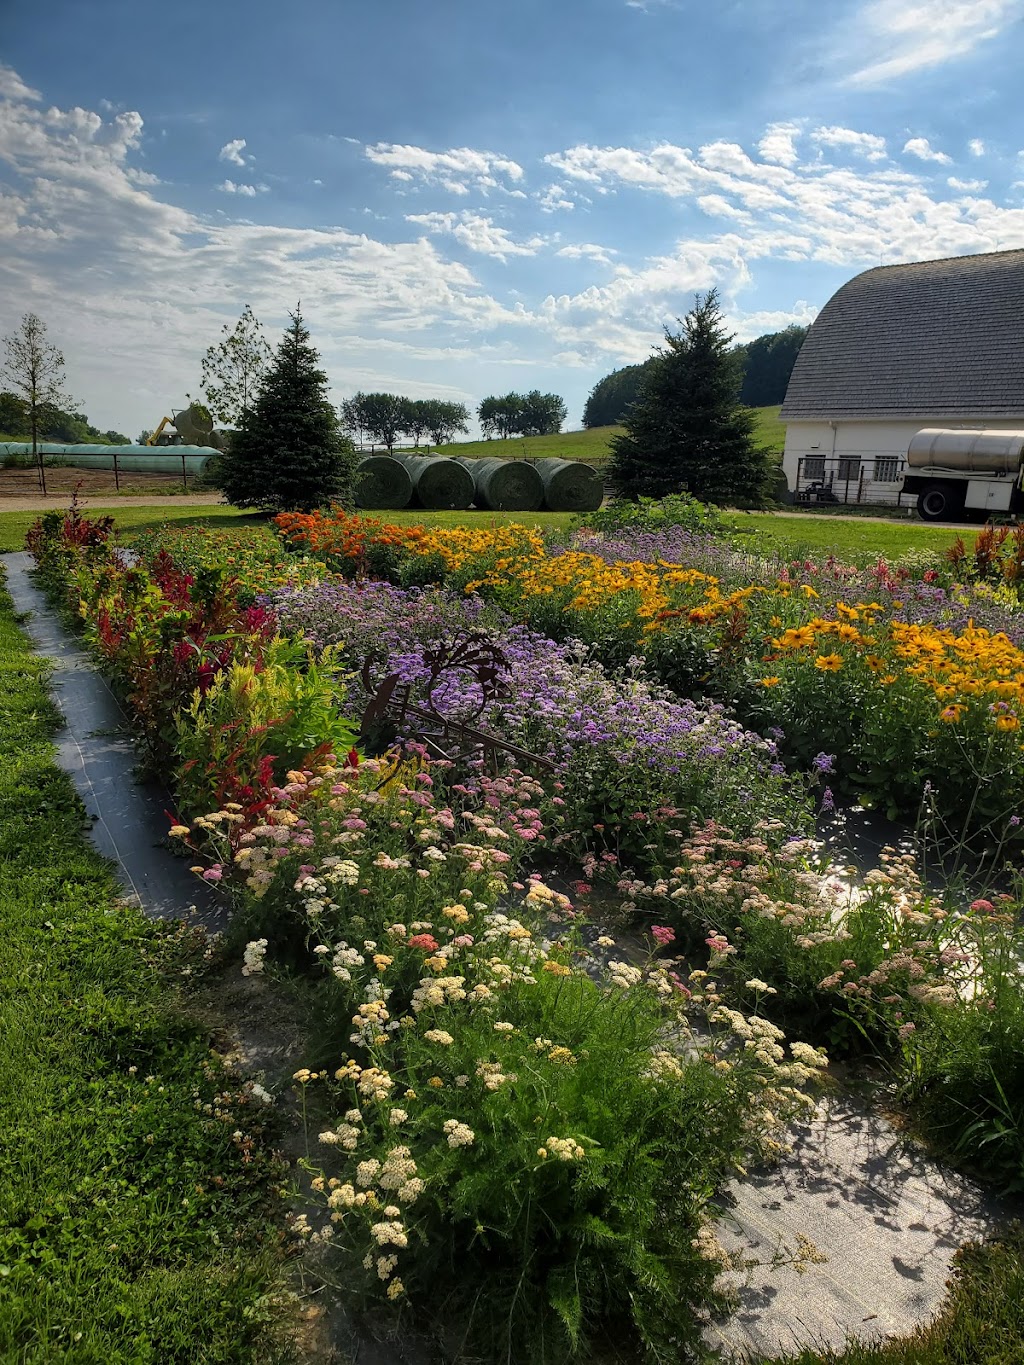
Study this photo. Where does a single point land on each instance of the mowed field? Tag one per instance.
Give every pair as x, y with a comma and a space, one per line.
592, 446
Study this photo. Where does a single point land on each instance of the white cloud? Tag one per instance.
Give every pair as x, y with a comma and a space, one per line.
587, 251
976, 147
477, 233
553, 199
12, 87
854, 216
250, 191
456, 170
868, 145
779, 144
970, 186
232, 151
924, 151
892, 38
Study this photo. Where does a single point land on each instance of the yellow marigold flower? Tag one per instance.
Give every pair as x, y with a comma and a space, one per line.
770, 682
829, 663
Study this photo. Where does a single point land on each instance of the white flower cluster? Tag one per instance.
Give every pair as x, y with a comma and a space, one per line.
458, 1134
254, 957
563, 1149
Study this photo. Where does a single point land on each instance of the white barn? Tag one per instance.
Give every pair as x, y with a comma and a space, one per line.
898, 348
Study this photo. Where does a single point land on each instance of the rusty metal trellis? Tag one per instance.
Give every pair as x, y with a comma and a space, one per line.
456, 740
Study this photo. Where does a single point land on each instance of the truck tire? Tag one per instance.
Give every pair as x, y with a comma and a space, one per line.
940, 502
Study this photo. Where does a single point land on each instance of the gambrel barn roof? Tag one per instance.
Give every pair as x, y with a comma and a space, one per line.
934, 339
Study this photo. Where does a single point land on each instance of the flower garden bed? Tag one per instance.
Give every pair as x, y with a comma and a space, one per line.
513, 1111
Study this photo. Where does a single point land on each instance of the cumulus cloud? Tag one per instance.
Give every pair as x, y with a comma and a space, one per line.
970, 186
893, 38
587, 251
779, 144
868, 145
457, 170
553, 200
478, 233
12, 87
232, 151
924, 151
250, 191
976, 147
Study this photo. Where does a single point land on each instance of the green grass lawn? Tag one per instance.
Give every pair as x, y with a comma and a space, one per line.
852, 541
131, 1230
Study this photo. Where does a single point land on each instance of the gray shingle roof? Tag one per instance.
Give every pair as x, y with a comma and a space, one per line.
940, 338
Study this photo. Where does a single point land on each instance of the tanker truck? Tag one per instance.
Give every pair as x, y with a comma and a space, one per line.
961, 475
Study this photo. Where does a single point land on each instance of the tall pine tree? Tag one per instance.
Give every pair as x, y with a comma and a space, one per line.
289, 454
687, 429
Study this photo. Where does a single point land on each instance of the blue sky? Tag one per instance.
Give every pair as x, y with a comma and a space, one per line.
470, 197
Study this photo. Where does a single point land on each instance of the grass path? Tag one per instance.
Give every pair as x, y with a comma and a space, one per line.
134, 1226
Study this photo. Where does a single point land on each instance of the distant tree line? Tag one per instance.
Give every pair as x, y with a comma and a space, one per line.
763, 367
52, 424
522, 414
382, 417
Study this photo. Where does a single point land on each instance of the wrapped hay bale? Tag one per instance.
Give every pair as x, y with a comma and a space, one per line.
439, 483
571, 486
506, 485
382, 482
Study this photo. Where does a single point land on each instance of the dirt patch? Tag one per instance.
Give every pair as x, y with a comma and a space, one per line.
62, 481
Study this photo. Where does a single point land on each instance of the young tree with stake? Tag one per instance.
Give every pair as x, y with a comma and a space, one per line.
35, 370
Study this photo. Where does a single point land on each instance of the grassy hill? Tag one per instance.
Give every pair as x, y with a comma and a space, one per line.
591, 445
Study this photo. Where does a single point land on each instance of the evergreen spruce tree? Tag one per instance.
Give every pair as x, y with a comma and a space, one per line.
289, 453
687, 430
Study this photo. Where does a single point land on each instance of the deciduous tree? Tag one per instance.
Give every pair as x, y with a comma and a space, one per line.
35, 370
445, 420
234, 368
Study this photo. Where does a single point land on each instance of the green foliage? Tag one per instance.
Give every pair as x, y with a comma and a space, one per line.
133, 1226
253, 723
233, 370
650, 514
687, 431
380, 416
523, 414
289, 454
767, 363
611, 397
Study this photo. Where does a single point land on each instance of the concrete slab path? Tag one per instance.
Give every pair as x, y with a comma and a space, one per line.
888, 1219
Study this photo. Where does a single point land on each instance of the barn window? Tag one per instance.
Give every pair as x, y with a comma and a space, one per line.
849, 469
887, 469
